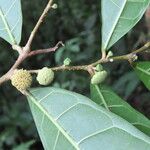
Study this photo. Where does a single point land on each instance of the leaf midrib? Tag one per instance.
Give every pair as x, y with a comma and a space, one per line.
33, 99
115, 24
121, 105
102, 97
144, 71
54, 122
7, 27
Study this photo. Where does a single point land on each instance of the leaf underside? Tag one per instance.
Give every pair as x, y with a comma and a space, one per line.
69, 121
118, 17
143, 71
10, 21
120, 107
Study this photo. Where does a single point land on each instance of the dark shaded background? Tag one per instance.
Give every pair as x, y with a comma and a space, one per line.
77, 24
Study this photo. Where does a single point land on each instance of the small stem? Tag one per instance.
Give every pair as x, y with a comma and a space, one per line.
122, 57
43, 51
100, 61
143, 48
25, 54
4, 78
32, 35
70, 68
103, 54
127, 57
8, 75
67, 68
20, 59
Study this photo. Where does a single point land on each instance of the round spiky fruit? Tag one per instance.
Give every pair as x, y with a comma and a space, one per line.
99, 77
21, 79
45, 76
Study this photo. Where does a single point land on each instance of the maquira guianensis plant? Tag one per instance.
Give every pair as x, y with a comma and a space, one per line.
26, 51
63, 116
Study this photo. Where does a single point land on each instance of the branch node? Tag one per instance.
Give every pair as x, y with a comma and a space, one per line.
91, 70
17, 48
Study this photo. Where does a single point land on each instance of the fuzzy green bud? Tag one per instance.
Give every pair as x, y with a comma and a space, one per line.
54, 6
45, 76
67, 62
110, 54
99, 77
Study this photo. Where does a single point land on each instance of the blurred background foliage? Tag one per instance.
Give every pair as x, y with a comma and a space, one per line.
77, 24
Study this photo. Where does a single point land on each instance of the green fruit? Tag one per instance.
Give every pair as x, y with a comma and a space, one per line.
21, 79
45, 76
99, 67
99, 77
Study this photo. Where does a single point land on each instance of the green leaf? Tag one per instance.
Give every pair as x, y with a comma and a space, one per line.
126, 84
69, 121
118, 17
10, 21
120, 107
24, 146
143, 71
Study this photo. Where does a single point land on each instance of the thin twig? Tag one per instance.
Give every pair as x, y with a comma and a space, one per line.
24, 55
23, 52
127, 57
4, 78
76, 68
43, 51
142, 49
33, 33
